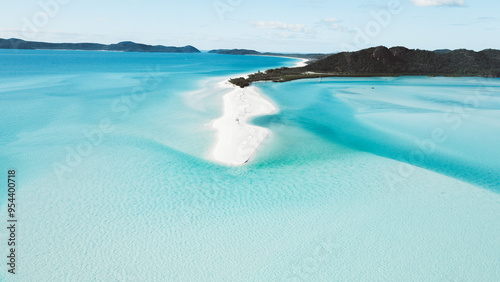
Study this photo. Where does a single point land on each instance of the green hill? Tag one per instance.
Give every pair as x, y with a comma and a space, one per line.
382, 61
126, 46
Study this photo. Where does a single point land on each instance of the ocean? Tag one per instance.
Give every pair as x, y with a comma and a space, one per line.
360, 179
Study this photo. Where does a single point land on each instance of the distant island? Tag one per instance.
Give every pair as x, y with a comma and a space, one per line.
311, 57
382, 61
126, 46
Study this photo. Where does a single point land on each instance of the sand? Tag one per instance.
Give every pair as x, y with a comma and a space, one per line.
237, 140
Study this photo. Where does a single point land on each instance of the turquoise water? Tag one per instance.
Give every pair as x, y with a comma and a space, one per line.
114, 183
449, 125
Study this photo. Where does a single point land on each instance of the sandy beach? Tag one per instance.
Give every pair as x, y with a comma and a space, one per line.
302, 63
237, 141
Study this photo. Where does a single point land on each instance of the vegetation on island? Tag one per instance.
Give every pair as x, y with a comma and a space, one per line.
234, 52
126, 46
382, 61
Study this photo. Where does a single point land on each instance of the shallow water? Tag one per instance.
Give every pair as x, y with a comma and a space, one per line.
449, 125
330, 195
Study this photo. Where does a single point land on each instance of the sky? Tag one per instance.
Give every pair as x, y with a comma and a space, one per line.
302, 26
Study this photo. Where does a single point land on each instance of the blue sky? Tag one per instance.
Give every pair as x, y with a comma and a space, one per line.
279, 25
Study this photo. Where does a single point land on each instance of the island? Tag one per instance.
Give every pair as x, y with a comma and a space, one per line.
383, 61
126, 46
310, 57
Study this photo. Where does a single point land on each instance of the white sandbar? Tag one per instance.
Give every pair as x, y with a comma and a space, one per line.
237, 141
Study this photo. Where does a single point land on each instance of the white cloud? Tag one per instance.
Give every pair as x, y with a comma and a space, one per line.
282, 26
290, 35
427, 3
335, 24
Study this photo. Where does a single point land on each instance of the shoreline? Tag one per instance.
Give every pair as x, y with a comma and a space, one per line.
237, 141
302, 63
247, 81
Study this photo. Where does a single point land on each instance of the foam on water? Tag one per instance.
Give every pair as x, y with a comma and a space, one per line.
316, 204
